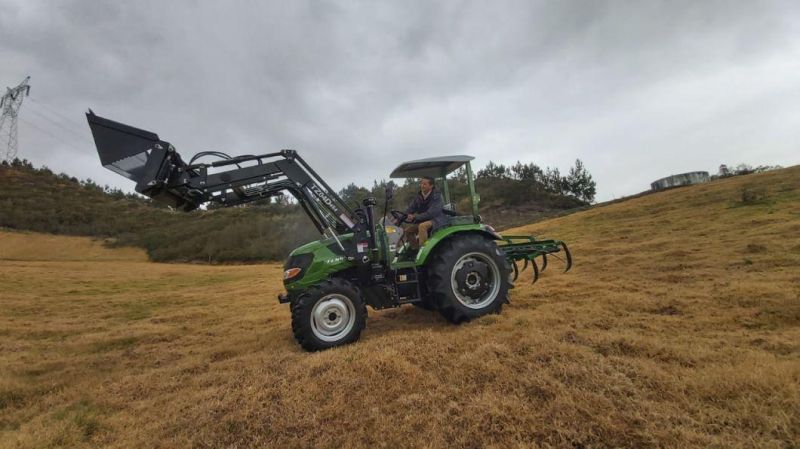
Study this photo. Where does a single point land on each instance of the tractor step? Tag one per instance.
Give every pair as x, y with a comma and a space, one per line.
407, 284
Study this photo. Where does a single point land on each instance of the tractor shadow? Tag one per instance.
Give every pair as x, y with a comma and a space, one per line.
404, 319
409, 318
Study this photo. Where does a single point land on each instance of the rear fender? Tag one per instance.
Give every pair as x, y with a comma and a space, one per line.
448, 232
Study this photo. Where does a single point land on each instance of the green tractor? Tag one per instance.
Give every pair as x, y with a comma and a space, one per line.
464, 270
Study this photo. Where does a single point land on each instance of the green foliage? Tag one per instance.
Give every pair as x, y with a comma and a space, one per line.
751, 195
527, 172
353, 195
42, 201
38, 200
493, 171
578, 183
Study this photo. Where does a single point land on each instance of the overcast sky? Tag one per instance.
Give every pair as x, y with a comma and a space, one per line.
637, 90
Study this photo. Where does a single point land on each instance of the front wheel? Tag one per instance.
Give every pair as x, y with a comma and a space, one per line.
327, 315
468, 277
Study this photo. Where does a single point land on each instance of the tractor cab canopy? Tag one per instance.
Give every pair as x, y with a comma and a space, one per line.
438, 168
435, 167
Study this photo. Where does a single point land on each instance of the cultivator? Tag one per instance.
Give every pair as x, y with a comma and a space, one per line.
526, 248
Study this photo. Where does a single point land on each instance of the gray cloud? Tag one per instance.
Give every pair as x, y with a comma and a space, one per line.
638, 90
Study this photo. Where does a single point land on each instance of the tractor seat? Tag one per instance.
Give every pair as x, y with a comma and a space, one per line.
449, 210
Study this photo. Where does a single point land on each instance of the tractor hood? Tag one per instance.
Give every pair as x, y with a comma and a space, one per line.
314, 246
313, 262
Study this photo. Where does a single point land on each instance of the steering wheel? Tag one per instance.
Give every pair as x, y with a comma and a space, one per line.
400, 216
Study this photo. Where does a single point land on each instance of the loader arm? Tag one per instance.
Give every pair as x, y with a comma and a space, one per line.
161, 174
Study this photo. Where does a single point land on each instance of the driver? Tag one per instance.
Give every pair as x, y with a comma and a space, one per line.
425, 212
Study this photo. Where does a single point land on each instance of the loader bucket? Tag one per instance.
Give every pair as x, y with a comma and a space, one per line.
142, 157
122, 149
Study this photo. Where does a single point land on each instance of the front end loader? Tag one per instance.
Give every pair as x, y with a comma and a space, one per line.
464, 270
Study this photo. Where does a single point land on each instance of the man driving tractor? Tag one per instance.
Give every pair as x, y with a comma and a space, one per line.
425, 213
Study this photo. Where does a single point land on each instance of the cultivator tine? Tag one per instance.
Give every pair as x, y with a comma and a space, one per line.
526, 265
569, 256
544, 261
535, 270
516, 270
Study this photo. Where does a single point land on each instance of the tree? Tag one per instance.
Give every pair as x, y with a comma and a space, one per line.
353, 193
743, 169
526, 172
579, 182
493, 171
460, 175
553, 181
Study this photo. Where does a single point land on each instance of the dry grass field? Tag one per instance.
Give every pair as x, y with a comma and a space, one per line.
678, 327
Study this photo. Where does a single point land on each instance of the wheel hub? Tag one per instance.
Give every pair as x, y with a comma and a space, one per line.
473, 279
332, 317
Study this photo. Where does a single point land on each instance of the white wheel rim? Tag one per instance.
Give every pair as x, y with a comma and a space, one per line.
471, 280
333, 317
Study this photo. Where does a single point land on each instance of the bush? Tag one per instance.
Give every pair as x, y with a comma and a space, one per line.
753, 195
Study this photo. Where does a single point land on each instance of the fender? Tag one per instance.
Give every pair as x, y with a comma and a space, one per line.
446, 232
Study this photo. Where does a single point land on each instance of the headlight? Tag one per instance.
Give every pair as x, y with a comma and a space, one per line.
291, 272
296, 267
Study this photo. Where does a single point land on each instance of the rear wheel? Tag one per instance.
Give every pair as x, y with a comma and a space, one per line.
468, 277
327, 315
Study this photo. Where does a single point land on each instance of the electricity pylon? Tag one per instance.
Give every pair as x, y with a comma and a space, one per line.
10, 104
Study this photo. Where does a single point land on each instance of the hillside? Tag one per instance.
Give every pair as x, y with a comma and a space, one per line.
679, 326
39, 200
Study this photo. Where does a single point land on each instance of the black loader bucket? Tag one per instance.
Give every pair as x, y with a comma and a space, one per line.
122, 149
142, 157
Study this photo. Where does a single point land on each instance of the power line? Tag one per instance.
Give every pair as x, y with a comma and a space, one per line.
54, 111
51, 135
69, 130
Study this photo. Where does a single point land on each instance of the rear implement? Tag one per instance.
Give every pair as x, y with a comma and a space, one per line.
526, 248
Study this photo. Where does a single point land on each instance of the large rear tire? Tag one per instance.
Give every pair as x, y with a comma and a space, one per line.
468, 277
329, 314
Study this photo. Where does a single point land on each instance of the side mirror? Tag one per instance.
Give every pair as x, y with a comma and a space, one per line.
389, 191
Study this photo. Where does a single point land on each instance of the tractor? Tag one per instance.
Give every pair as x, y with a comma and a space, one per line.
464, 270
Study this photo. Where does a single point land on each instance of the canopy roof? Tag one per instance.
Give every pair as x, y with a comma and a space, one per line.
435, 167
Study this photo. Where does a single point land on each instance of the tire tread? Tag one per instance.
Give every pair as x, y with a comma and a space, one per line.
301, 309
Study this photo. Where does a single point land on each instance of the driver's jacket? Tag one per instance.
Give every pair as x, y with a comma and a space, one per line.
428, 209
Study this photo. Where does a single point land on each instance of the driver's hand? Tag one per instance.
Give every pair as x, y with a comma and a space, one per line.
410, 218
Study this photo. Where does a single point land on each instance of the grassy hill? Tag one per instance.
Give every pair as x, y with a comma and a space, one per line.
678, 327
39, 200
